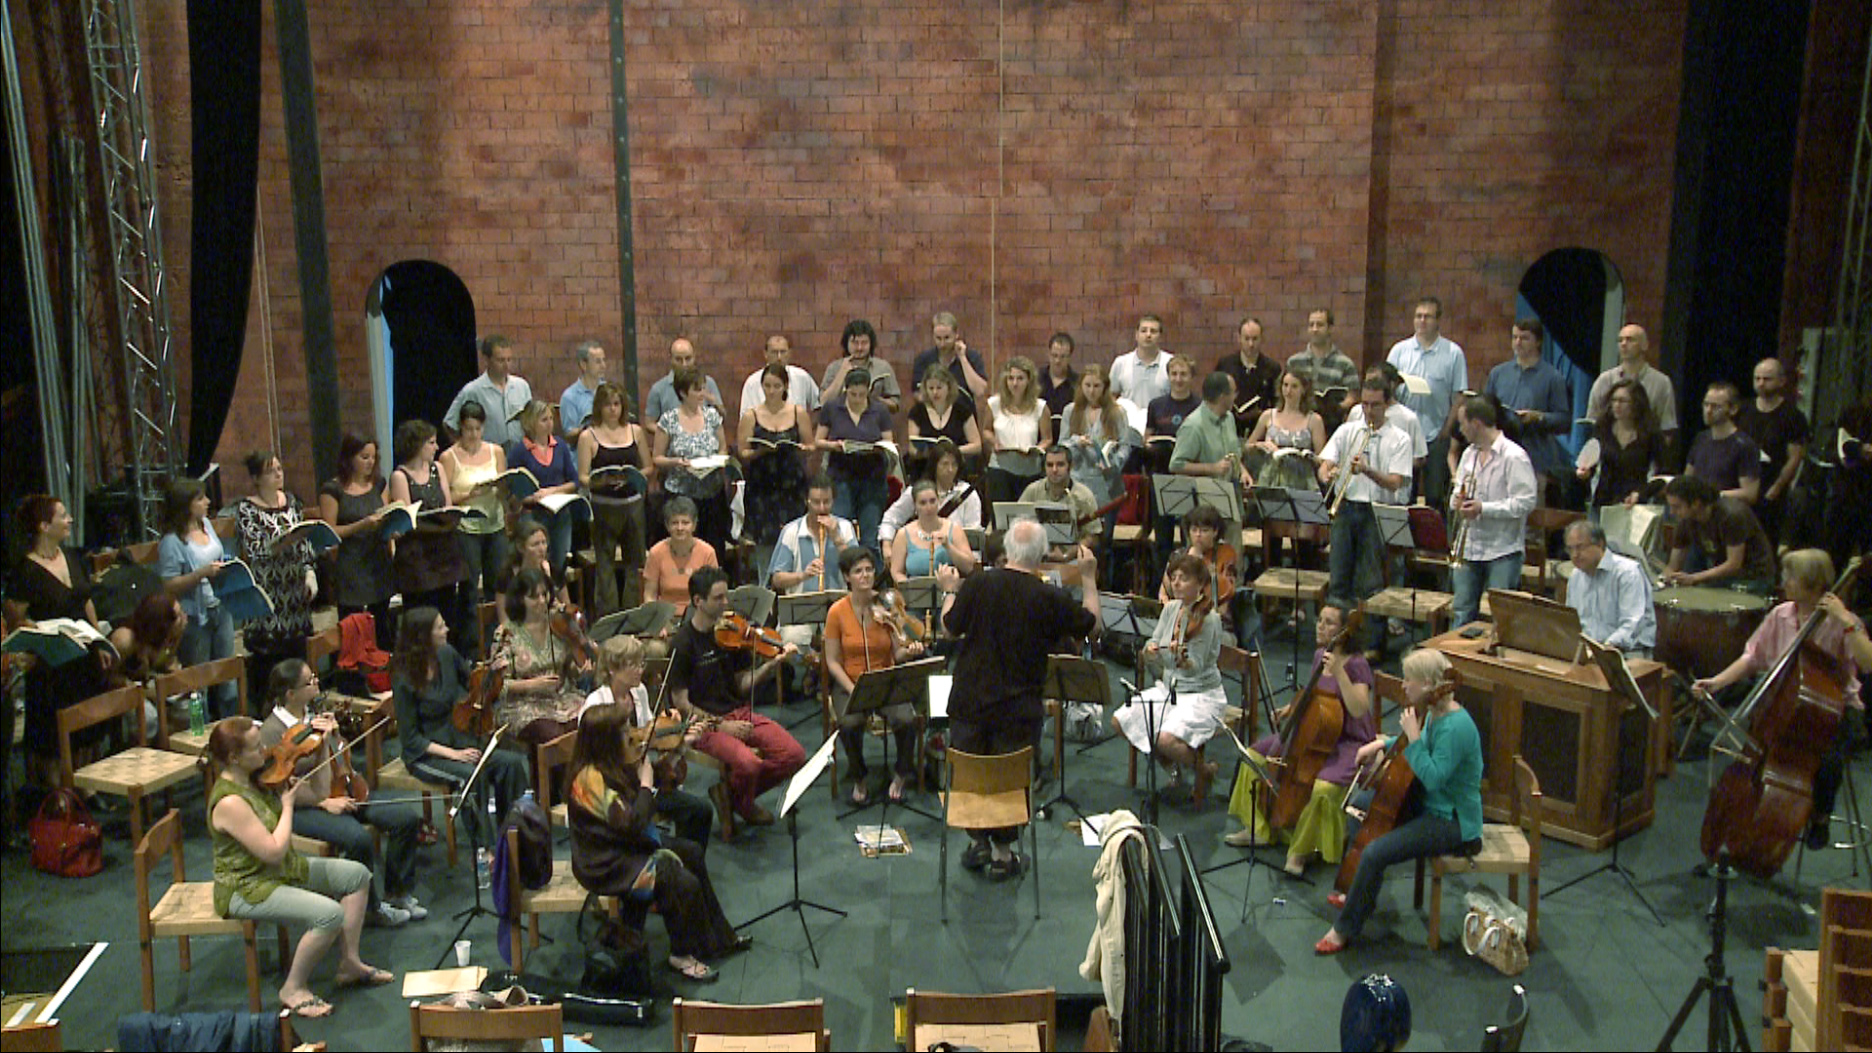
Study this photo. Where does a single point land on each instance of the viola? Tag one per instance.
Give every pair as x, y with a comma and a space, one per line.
346, 781
474, 714
735, 633
283, 758
663, 737
906, 628
1309, 738
569, 629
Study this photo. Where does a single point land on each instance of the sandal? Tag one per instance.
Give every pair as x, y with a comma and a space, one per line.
372, 977
1326, 945
695, 971
311, 1007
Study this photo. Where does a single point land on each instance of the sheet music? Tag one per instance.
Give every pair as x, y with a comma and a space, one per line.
939, 686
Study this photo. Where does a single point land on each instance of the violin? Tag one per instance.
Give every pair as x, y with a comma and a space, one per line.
569, 629
474, 714
664, 737
906, 628
1193, 619
346, 781
299, 744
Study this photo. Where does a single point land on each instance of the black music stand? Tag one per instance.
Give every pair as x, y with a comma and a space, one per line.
1301, 508
1612, 663
1178, 495
646, 620
796, 789
1262, 781
1396, 530
906, 684
922, 595
476, 910
805, 608
1126, 620
1072, 679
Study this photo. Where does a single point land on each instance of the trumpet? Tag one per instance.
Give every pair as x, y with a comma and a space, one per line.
1336, 490
1459, 534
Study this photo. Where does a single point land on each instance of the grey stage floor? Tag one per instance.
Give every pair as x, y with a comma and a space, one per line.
1605, 977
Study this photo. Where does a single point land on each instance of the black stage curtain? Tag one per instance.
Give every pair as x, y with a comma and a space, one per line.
1567, 289
224, 99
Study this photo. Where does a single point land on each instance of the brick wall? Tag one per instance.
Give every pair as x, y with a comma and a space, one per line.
1062, 165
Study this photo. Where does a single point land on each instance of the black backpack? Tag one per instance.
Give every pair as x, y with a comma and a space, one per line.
119, 589
528, 818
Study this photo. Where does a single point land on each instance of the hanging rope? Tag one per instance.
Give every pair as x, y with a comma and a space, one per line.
266, 333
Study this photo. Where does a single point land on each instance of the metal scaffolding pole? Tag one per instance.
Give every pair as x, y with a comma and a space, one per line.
1850, 363
126, 169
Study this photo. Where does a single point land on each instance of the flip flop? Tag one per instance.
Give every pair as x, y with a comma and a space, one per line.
697, 972
374, 978
311, 1007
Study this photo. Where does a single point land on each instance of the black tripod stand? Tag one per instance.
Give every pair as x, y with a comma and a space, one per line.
469, 915
797, 904
1619, 789
1726, 1031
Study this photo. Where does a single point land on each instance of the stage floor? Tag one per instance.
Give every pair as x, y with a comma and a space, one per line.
1606, 976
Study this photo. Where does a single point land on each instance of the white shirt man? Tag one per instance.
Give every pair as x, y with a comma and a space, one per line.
501, 394
1612, 593
802, 389
1495, 492
1380, 464
1400, 417
1142, 374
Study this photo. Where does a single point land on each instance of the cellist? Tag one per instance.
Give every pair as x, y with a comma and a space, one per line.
1806, 575
1444, 750
1321, 826
332, 816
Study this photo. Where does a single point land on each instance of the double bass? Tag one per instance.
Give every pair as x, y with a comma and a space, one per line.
1311, 734
1762, 802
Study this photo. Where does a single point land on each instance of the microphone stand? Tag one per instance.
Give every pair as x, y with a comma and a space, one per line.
468, 915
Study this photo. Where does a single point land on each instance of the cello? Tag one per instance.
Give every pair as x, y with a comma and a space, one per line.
1309, 738
1390, 781
1762, 802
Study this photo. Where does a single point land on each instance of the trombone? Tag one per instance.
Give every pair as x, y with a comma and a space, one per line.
1459, 533
1336, 490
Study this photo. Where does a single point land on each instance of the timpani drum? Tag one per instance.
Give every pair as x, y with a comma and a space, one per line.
1700, 630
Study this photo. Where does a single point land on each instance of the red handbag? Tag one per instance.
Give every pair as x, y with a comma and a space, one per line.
65, 839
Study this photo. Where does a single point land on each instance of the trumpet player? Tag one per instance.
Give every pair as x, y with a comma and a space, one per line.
1489, 512
1376, 463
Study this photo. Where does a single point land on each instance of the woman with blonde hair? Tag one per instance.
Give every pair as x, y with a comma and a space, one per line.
1445, 753
1019, 429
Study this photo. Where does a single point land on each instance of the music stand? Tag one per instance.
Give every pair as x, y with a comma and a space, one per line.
1072, 679
469, 914
920, 594
1618, 676
1301, 508
906, 684
646, 620
796, 789
805, 608
1059, 521
1263, 782
1178, 495
1397, 532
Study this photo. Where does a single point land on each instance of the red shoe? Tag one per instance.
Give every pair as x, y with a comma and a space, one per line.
1326, 945
1335, 900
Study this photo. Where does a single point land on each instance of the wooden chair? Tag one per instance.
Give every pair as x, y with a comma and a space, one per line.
133, 773
186, 909
1506, 1038
986, 793
562, 895
321, 646
967, 1019
1511, 848
487, 619
194, 678
48, 1037
690, 1019
548, 758
509, 1024
395, 775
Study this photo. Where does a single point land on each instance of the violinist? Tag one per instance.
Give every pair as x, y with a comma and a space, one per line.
1185, 645
329, 813
541, 696
709, 680
1203, 526
429, 677
623, 659
617, 852
1806, 575
863, 633
1444, 751
1321, 826
259, 877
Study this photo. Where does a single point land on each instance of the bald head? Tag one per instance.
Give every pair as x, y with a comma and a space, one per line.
1026, 544
1632, 344
681, 353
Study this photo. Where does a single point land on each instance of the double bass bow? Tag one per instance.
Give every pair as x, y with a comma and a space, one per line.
1761, 804
1313, 726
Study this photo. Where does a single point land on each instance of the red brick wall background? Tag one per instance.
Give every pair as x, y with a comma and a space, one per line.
1053, 164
